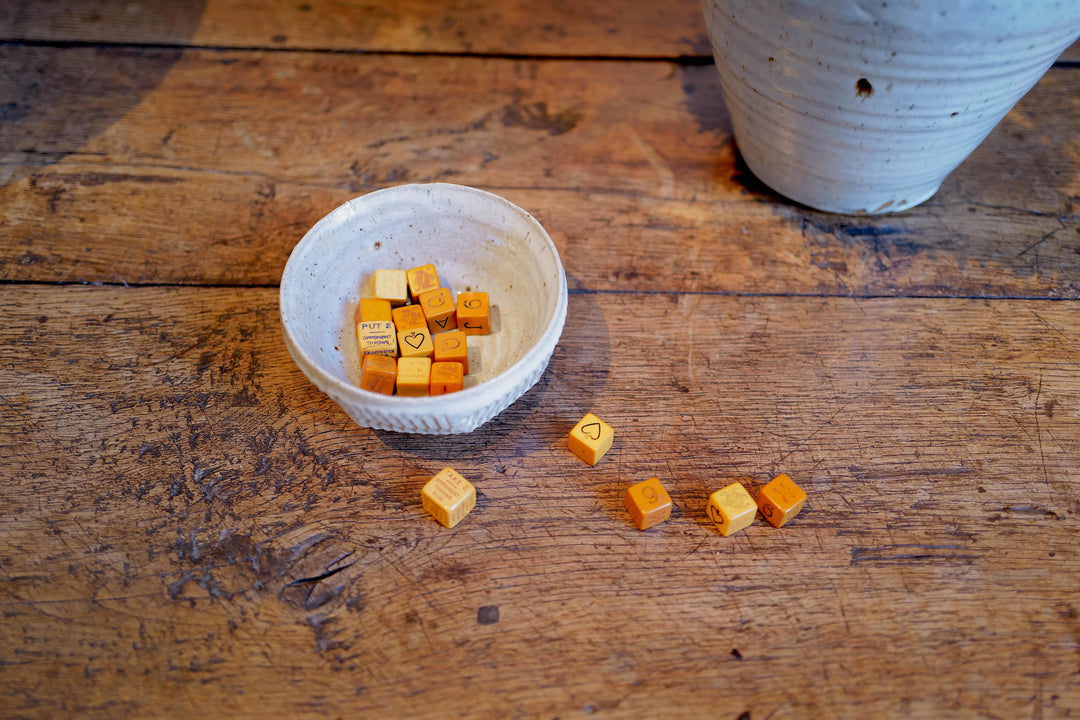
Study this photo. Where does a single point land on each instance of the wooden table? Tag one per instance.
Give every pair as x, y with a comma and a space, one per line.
188, 528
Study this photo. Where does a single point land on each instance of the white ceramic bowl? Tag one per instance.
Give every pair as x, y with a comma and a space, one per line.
477, 241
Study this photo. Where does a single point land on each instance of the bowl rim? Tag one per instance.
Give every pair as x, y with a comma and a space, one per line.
474, 397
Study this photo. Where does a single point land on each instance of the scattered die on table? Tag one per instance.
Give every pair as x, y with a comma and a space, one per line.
731, 508
448, 497
780, 500
648, 503
591, 438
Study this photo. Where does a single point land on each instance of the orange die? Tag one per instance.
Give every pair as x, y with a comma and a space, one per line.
390, 285
378, 373
591, 438
474, 313
409, 317
422, 279
453, 347
413, 376
446, 377
372, 310
648, 503
780, 500
439, 310
414, 343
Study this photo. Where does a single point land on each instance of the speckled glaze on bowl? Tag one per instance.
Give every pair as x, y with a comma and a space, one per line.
477, 241
864, 106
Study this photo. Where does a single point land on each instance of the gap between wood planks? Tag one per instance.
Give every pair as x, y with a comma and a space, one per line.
63, 44
120, 283
688, 60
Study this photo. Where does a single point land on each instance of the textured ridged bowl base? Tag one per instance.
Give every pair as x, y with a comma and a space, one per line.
477, 241
855, 106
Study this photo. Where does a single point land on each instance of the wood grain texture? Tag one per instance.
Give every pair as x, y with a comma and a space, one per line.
622, 28
619, 28
118, 170
188, 527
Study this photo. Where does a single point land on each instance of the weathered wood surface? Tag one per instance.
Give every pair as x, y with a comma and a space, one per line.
616, 28
118, 169
619, 28
188, 527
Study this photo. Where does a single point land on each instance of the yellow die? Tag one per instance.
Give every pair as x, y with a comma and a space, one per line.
732, 509
413, 376
449, 497
414, 343
780, 500
376, 337
390, 285
648, 503
591, 438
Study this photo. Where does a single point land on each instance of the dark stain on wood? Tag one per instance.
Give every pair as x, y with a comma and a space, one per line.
537, 116
704, 100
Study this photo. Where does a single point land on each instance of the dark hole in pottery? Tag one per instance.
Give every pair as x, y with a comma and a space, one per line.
864, 88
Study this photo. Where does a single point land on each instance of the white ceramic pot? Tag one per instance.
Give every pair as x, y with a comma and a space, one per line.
864, 106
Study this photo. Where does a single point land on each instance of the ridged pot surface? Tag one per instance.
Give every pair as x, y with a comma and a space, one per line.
865, 107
